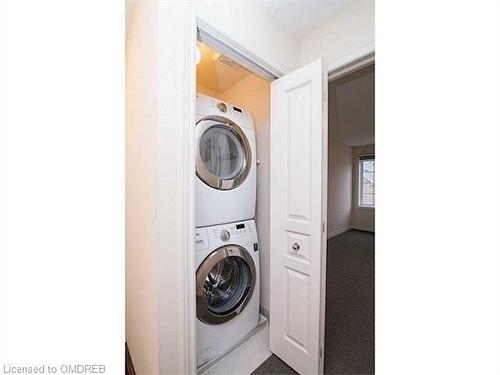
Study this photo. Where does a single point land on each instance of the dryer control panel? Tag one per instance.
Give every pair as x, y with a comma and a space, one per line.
206, 105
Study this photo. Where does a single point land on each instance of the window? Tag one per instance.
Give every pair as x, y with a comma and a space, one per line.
366, 184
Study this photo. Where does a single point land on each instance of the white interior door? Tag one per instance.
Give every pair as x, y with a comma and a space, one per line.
298, 208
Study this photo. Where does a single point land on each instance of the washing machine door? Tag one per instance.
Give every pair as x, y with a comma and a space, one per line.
224, 284
224, 156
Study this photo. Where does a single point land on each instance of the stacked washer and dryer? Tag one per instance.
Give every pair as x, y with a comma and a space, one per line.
227, 249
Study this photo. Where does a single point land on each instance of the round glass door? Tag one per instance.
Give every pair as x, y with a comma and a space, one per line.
224, 284
221, 152
224, 156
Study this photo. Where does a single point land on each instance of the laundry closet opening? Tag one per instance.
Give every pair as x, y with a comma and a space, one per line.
232, 203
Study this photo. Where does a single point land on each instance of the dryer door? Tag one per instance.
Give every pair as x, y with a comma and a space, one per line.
224, 157
224, 284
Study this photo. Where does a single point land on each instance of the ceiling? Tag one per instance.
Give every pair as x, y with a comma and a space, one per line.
351, 103
301, 17
298, 17
213, 74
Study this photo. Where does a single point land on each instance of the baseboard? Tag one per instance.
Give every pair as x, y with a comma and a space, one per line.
365, 229
338, 231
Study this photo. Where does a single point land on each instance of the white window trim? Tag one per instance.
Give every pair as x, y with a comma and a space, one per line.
358, 187
370, 208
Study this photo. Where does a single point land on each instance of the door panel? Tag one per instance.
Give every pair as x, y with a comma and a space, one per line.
298, 197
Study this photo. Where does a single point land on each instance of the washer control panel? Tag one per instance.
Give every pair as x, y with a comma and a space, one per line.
225, 235
200, 238
207, 239
233, 233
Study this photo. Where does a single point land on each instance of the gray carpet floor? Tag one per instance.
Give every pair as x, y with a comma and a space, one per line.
350, 308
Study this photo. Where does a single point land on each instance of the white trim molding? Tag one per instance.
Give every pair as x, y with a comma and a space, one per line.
338, 231
352, 61
360, 227
223, 44
370, 208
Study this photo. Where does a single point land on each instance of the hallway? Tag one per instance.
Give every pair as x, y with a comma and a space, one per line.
350, 308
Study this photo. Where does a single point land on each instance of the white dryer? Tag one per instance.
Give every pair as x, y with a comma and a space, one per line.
227, 287
226, 163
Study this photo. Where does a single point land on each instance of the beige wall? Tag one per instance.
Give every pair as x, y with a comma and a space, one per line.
339, 187
361, 218
206, 91
253, 94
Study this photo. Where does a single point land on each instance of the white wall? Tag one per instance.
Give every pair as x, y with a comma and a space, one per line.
339, 187
175, 180
160, 88
160, 83
157, 165
141, 278
348, 35
361, 218
254, 95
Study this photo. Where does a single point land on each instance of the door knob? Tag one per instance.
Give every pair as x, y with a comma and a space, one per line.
296, 246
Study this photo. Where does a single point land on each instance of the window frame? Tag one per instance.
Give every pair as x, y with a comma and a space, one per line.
359, 204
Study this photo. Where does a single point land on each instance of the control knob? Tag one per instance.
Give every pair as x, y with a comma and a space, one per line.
224, 235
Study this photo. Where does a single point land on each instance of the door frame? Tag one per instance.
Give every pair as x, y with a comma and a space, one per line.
351, 66
269, 71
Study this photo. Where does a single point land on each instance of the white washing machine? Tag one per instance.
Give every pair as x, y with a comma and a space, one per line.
226, 163
227, 287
